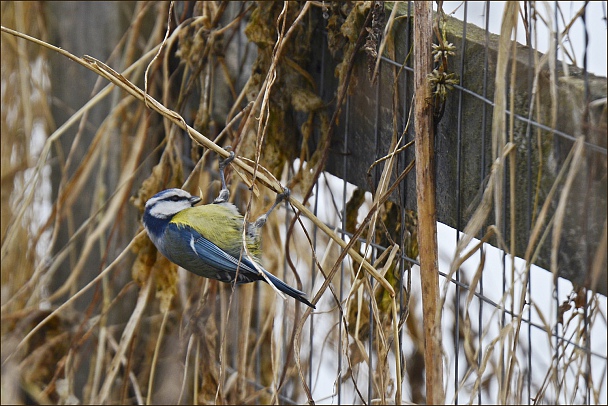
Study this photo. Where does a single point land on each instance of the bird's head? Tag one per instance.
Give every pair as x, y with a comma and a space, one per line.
163, 206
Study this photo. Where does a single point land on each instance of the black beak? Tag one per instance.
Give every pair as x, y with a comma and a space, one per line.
194, 200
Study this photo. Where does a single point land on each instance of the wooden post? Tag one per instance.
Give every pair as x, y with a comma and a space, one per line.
425, 189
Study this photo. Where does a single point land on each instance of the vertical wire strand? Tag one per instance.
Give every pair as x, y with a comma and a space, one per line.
459, 201
285, 329
586, 124
483, 173
403, 191
503, 230
555, 284
343, 235
313, 280
530, 43
378, 153
374, 251
315, 230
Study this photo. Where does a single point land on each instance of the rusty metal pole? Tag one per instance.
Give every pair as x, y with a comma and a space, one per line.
425, 189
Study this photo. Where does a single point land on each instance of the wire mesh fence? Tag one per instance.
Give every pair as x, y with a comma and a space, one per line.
320, 95
484, 362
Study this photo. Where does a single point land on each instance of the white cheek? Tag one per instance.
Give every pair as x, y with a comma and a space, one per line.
167, 209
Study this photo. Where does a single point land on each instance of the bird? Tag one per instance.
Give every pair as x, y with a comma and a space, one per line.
207, 240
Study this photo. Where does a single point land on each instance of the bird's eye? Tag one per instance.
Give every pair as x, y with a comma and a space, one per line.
175, 198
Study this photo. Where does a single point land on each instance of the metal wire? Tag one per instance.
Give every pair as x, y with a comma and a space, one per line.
505, 311
457, 343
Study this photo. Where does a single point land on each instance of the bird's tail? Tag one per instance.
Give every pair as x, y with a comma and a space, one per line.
285, 288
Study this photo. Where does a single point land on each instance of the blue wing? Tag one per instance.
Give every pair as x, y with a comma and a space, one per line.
208, 251
193, 252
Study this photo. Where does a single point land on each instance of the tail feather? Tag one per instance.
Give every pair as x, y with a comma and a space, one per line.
288, 290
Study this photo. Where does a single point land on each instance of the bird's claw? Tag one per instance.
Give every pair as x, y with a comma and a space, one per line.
224, 193
226, 161
283, 196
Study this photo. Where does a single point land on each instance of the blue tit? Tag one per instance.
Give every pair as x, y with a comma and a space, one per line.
207, 240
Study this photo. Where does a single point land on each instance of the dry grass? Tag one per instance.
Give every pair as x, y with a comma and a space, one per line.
180, 315
91, 312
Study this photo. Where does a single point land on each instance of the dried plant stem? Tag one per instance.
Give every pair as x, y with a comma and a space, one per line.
159, 340
425, 191
58, 133
120, 81
125, 340
577, 157
132, 377
76, 295
188, 356
347, 249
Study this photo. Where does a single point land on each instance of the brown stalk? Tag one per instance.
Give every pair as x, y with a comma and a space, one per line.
425, 191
